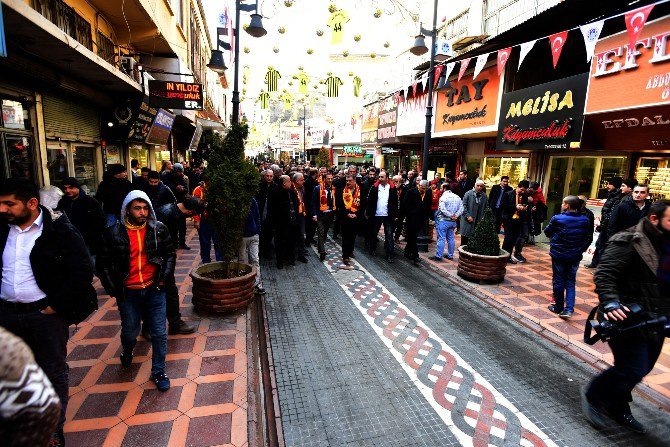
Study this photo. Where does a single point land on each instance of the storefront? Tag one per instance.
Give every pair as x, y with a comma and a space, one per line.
17, 148
369, 129
352, 154
545, 122
444, 156
158, 136
386, 134
628, 106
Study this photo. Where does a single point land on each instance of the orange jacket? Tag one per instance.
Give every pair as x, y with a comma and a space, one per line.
199, 192
141, 273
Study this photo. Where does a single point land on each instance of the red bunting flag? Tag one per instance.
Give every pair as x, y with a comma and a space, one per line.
503, 55
464, 66
635, 21
396, 97
438, 73
414, 88
557, 41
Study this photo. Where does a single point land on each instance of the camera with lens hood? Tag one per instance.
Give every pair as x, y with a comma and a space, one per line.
606, 329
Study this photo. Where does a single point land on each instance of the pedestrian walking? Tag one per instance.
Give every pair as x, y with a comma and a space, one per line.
416, 208
264, 196
570, 235
323, 207
113, 188
249, 245
46, 282
449, 210
614, 195
515, 215
137, 258
206, 235
495, 200
298, 186
284, 210
635, 268
349, 210
382, 209
474, 204
178, 184
629, 212
538, 211
401, 188
310, 225
366, 185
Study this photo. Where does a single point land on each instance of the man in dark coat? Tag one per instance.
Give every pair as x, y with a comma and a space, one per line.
382, 209
85, 213
366, 185
349, 210
614, 196
495, 200
629, 212
635, 268
310, 225
515, 215
113, 188
179, 185
264, 198
323, 210
284, 211
416, 209
464, 184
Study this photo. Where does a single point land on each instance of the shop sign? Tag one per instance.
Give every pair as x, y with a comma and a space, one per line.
645, 128
176, 95
450, 146
353, 151
389, 151
388, 117
622, 78
195, 140
145, 118
369, 137
370, 117
468, 105
160, 129
412, 116
546, 116
317, 138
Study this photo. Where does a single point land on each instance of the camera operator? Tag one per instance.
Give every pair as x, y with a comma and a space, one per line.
635, 268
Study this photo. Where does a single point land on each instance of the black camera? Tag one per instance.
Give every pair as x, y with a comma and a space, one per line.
607, 329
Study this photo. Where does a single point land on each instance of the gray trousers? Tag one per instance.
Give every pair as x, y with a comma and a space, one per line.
249, 254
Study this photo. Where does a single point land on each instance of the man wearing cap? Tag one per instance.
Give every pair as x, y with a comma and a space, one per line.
614, 195
178, 184
85, 213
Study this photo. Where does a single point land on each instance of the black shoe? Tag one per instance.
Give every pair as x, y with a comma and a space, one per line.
552, 308
161, 380
180, 327
435, 258
322, 257
593, 413
416, 260
260, 290
184, 247
302, 259
371, 252
389, 259
126, 359
566, 314
628, 420
519, 258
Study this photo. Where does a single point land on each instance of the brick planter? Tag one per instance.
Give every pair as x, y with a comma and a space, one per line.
481, 268
222, 295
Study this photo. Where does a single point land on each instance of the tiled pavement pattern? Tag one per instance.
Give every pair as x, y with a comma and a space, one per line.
340, 384
207, 404
526, 291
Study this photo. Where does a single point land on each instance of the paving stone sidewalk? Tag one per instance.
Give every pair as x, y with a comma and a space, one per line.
207, 404
525, 294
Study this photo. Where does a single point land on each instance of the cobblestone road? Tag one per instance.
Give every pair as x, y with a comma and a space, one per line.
392, 355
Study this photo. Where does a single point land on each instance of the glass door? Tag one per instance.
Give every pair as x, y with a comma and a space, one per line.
556, 184
85, 167
582, 175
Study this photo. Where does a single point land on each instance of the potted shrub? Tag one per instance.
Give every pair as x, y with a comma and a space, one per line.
232, 182
482, 260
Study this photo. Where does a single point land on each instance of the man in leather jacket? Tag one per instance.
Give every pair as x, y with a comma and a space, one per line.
614, 196
635, 268
137, 258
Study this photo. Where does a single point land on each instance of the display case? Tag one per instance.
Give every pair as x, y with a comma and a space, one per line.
655, 171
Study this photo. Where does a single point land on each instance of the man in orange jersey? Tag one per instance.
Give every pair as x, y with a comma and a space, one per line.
137, 258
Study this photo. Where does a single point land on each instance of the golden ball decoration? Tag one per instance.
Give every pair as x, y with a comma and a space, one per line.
357, 37
387, 44
281, 30
373, 55
319, 32
315, 86
351, 73
247, 50
288, 3
377, 14
245, 26
300, 69
345, 53
310, 51
275, 49
290, 83
332, 8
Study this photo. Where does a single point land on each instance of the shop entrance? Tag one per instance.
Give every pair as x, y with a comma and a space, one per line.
580, 176
76, 160
16, 141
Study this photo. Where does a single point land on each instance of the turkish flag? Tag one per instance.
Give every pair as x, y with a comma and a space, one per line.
557, 41
635, 21
503, 55
414, 84
438, 73
464, 66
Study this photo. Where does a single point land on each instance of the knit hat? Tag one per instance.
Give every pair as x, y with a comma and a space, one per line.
178, 167
630, 182
71, 181
115, 169
616, 182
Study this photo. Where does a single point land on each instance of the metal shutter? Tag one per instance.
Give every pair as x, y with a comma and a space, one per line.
69, 120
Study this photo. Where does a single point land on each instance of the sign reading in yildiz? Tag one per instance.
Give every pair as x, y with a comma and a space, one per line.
175, 95
546, 116
388, 117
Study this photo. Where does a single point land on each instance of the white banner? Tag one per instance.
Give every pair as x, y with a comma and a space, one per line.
525, 49
591, 33
479, 66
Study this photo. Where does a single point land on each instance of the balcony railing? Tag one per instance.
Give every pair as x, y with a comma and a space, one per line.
502, 15
67, 19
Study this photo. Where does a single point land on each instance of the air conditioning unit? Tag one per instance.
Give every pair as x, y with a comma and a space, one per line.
129, 66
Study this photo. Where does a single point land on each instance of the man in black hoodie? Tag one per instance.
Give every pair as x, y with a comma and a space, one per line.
614, 196
112, 190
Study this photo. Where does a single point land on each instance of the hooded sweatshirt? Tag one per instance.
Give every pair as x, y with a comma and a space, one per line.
141, 273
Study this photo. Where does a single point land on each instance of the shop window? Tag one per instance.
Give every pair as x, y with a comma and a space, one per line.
656, 173
494, 168
140, 154
161, 156
611, 167
85, 168
14, 115
20, 156
57, 165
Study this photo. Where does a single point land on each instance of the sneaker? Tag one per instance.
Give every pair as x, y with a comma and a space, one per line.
628, 420
552, 308
566, 314
511, 260
435, 258
260, 290
593, 413
161, 380
126, 359
180, 327
519, 258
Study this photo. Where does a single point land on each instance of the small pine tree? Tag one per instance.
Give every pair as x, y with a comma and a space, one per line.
484, 240
323, 158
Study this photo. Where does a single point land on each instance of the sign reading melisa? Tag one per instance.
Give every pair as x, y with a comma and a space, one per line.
468, 104
176, 95
546, 116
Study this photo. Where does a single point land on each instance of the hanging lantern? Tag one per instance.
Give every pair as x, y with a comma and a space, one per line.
275, 49
247, 50
332, 8
357, 37
281, 30
345, 53
310, 51
319, 32
377, 14
387, 44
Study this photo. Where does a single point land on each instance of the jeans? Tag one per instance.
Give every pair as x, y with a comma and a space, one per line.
46, 335
146, 305
564, 278
634, 357
249, 254
207, 236
375, 224
322, 226
445, 231
516, 233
